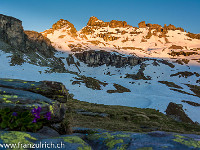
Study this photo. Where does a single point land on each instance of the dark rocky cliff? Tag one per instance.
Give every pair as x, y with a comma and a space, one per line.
98, 58
37, 42
12, 32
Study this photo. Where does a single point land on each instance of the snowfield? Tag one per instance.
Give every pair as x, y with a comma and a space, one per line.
144, 93
179, 49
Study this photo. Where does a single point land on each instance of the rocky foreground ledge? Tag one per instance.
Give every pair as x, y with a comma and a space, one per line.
20, 95
47, 97
101, 140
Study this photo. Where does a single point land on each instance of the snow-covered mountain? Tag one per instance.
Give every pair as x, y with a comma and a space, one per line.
146, 40
114, 63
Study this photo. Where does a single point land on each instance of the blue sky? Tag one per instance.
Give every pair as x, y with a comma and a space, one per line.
39, 15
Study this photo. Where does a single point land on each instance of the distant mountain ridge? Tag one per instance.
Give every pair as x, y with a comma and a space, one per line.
146, 40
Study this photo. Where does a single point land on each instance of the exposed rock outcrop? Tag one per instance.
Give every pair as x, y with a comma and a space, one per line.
12, 32
140, 74
98, 58
158, 27
142, 24
19, 95
176, 112
94, 21
36, 41
100, 139
193, 36
27, 46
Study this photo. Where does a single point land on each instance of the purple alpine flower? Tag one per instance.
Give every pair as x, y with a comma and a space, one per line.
48, 115
33, 111
38, 110
34, 120
36, 113
37, 116
14, 114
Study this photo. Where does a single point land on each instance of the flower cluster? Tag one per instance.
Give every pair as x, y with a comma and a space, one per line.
48, 115
14, 114
36, 114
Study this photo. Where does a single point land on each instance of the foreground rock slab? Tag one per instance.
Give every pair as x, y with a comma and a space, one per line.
100, 139
19, 95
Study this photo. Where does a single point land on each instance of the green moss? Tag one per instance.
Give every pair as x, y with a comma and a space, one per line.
51, 109
84, 148
110, 140
179, 136
10, 96
98, 135
77, 140
60, 96
187, 141
8, 101
73, 139
164, 146
4, 99
123, 135
15, 137
123, 147
10, 80
111, 144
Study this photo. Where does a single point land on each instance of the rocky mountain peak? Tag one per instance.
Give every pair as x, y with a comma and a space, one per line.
142, 24
115, 33
60, 25
158, 27
94, 21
